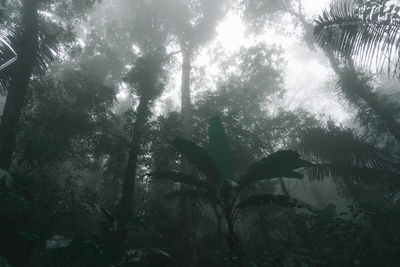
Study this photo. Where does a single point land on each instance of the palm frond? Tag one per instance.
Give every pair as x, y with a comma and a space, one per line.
337, 144
354, 174
369, 35
9, 47
7, 52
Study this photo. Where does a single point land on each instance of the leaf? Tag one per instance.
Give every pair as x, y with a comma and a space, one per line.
279, 164
219, 150
197, 156
268, 199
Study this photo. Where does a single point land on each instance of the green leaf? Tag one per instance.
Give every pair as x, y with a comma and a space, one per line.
279, 164
268, 199
197, 156
219, 150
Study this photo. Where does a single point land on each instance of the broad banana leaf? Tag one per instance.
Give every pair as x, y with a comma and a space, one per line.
197, 156
219, 150
279, 164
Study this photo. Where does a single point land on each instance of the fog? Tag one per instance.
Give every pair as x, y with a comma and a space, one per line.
199, 133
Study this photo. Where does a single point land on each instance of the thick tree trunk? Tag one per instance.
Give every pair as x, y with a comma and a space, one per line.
188, 227
128, 185
19, 83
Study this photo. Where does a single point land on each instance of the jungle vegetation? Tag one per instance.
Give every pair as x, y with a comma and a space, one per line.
119, 148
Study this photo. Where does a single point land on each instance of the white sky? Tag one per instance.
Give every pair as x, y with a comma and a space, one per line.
308, 76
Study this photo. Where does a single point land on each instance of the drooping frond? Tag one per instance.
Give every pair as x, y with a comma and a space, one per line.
7, 52
343, 153
368, 34
8, 56
9, 47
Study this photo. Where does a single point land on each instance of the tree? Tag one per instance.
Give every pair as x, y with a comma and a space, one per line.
219, 187
147, 77
193, 23
35, 47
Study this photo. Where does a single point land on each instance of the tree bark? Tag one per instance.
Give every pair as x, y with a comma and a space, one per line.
128, 185
188, 229
19, 83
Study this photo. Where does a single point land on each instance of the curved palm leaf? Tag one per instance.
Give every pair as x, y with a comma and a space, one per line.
9, 47
197, 156
364, 33
7, 53
279, 164
343, 145
268, 199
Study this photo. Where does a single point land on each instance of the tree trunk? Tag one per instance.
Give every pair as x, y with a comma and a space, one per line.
128, 185
22, 71
188, 229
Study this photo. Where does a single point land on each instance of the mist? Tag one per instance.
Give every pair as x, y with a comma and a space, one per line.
199, 133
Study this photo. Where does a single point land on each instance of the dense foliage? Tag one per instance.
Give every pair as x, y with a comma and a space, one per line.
102, 165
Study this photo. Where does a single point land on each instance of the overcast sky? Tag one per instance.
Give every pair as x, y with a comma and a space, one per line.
309, 79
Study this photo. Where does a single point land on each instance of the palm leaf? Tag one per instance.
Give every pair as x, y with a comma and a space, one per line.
219, 150
197, 156
366, 34
9, 47
268, 199
279, 164
342, 145
7, 53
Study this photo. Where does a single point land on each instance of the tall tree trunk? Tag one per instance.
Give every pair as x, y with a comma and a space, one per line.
188, 229
128, 185
19, 82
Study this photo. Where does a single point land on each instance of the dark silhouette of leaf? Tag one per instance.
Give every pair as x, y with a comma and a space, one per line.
219, 150
279, 164
197, 156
